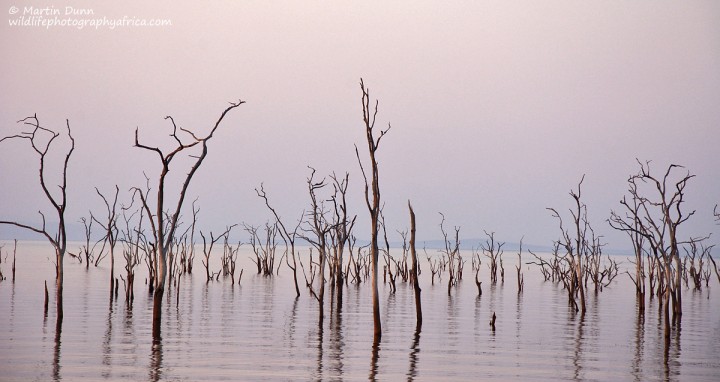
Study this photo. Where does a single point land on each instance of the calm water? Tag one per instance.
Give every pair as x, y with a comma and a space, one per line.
259, 331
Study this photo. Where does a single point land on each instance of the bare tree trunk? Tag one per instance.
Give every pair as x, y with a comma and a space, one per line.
164, 231
414, 271
374, 205
59, 203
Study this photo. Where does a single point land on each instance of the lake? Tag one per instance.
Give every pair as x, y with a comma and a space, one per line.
259, 331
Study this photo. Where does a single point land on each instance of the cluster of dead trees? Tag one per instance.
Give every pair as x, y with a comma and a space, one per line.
577, 257
150, 230
652, 213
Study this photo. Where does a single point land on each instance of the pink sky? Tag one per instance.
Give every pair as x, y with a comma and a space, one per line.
498, 107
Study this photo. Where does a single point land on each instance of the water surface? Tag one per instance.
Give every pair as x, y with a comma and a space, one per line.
259, 331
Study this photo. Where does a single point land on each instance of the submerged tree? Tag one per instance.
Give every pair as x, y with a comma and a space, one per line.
655, 213
41, 140
316, 233
630, 224
287, 236
341, 232
414, 271
373, 204
163, 225
576, 245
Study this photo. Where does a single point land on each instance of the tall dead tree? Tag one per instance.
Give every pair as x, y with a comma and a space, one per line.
373, 204
41, 140
657, 219
414, 271
163, 228
576, 246
630, 224
316, 234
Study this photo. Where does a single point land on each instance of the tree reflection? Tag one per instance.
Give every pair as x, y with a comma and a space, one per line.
58, 334
578, 346
319, 370
636, 369
374, 359
414, 351
337, 342
107, 339
156, 358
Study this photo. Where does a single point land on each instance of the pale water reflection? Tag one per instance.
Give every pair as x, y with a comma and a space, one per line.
259, 331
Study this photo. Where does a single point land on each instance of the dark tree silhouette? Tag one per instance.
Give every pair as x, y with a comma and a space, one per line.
41, 140
414, 272
655, 213
373, 204
162, 224
287, 236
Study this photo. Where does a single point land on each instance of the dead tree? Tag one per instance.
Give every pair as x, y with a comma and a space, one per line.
373, 204
130, 237
356, 264
229, 258
388, 258
254, 245
520, 277
207, 250
164, 231
343, 225
697, 251
452, 251
2, 277
287, 236
493, 251
41, 140
660, 213
316, 233
110, 228
87, 250
13, 263
716, 213
402, 265
264, 247
414, 271
576, 245
190, 255
631, 226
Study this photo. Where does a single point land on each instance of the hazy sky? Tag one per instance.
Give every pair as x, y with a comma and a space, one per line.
498, 107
